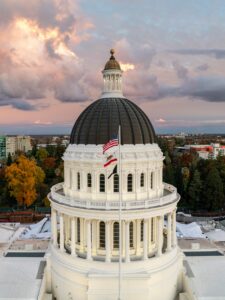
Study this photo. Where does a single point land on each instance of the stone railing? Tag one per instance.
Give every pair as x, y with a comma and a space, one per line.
170, 195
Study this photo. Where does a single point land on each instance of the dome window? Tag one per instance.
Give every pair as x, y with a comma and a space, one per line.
102, 235
116, 240
116, 183
78, 181
89, 180
102, 183
142, 180
130, 183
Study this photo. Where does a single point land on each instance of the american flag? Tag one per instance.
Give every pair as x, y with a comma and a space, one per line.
112, 143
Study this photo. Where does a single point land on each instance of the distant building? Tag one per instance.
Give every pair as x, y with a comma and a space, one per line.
204, 151
2, 147
11, 144
23, 143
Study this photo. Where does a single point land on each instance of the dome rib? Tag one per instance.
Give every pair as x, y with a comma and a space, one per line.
100, 121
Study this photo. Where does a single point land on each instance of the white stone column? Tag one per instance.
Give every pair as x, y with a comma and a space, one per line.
61, 222
123, 240
73, 236
81, 235
174, 229
127, 236
145, 240
88, 235
159, 235
94, 237
149, 234
168, 232
107, 242
138, 237
54, 227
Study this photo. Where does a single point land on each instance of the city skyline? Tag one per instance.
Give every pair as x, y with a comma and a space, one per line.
52, 54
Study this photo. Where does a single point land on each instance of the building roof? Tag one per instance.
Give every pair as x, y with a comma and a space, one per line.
100, 121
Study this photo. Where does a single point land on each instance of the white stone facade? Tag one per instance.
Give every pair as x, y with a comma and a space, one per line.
85, 228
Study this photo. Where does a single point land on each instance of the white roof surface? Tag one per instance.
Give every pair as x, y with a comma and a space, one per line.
217, 235
207, 277
18, 278
192, 230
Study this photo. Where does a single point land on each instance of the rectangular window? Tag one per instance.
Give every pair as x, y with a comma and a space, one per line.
89, 181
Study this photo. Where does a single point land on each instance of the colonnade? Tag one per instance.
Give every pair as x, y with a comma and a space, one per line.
81, 237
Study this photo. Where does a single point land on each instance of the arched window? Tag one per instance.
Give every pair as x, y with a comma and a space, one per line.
78, 181
142, 180
142, 230
152, 174
131, 234
102, 183
89, 180
116, 240
78, 230
102, 234
116, 183
130, 183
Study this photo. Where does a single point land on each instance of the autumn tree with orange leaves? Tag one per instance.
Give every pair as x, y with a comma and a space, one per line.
23, 178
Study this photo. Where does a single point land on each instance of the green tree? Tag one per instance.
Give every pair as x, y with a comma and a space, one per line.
9, 159
213, 191
195, 190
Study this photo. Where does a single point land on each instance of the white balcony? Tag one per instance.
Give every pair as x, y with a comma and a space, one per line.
170, 195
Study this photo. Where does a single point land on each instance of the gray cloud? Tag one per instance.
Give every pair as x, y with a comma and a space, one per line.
210, 89
216, 53
181, 71
202, 68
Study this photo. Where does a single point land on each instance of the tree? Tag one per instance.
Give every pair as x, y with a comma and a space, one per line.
213, 191
194, 191
41, 154
23, 178
9, 159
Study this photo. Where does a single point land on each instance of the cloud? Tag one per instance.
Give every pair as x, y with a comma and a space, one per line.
181, 71
37, 56
210, 89
161, 121
202, 68
216, 53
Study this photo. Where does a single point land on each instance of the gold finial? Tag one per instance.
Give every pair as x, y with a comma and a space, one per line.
112, 51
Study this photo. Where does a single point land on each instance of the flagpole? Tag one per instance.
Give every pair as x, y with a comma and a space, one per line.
120, 210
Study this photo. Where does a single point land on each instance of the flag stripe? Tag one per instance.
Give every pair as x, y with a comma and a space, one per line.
109, 162
111, 143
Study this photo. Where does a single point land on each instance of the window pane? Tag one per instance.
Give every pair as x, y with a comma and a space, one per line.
89, 180
102, 235
131, 235
142, 230
116, 183
78, 181
116, 241
102, 183
130, 183
142, 179
78, 230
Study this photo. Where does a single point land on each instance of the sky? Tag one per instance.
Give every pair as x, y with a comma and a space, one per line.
52, 53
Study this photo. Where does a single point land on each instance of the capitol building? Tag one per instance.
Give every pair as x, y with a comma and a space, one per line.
86, 245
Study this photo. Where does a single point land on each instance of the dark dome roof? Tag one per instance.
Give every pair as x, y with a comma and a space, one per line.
99, 122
